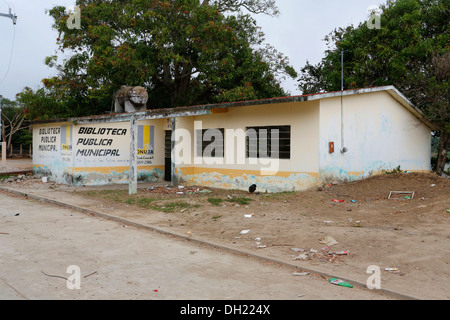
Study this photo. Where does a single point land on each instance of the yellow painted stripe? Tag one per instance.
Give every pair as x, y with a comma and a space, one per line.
146, 137
233, 173
104, 169
108, 170
68, 134
355, 173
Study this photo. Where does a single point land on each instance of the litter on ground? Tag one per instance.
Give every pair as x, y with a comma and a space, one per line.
400, 193
391, 269
329, 241
340, 282
300, 273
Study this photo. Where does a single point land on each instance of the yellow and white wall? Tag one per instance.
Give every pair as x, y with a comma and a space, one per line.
379, 129
299, 172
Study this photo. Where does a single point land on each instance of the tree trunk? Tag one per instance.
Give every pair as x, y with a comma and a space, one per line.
444, 143
8, 144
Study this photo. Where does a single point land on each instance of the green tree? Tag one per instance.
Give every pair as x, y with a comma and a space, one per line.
411, 51
184, 52
14, 126
45, 104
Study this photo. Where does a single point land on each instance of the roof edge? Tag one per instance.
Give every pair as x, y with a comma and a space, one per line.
397, 95
205, 109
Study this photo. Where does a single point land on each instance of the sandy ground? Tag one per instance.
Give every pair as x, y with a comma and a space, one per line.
16, 165
411, 235
39, 241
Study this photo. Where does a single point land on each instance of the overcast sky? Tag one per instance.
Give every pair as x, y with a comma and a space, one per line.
298, 33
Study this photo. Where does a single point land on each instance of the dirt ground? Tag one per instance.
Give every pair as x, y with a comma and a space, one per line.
39, 241
16, 165
410, 234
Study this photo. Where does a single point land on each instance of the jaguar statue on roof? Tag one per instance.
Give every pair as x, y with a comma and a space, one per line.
130, 99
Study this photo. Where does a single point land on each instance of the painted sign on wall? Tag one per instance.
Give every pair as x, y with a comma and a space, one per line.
48, 139
96, 153
47, 144
146, 144
93, 145
97, 146
47, 150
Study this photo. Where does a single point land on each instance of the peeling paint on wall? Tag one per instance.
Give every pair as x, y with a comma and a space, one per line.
93, 178
380, 135
235, 179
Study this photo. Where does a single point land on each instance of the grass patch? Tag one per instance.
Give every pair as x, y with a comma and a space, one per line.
141, 202
172, 206
394, 171
216, 217
215, 201
114, 195
145, 202
240, 200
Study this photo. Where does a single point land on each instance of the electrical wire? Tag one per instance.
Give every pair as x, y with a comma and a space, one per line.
9, 5
12, 49
10, 58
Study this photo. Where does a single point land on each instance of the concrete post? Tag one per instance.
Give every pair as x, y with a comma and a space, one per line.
173, 155
1, 138
133, 172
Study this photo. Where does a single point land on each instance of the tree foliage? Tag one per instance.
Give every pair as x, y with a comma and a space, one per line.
45, 104
14, 127
411, 51
184, 52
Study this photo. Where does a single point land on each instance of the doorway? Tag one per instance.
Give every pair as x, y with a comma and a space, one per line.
168, 155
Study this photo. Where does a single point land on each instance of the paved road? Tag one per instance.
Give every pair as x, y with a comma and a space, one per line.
39, 242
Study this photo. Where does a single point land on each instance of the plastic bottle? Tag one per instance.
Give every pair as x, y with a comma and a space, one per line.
391, 269
340, 282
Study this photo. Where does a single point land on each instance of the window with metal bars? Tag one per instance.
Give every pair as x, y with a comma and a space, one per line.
210, 143
268, 142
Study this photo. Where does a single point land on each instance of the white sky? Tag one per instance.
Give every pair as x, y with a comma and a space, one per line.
298, 33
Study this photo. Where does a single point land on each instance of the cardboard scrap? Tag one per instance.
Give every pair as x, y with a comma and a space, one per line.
329, 241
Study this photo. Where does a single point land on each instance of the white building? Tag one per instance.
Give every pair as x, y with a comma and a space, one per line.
338, 136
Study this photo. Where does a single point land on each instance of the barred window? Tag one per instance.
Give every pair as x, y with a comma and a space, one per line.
210, 143
268, 141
